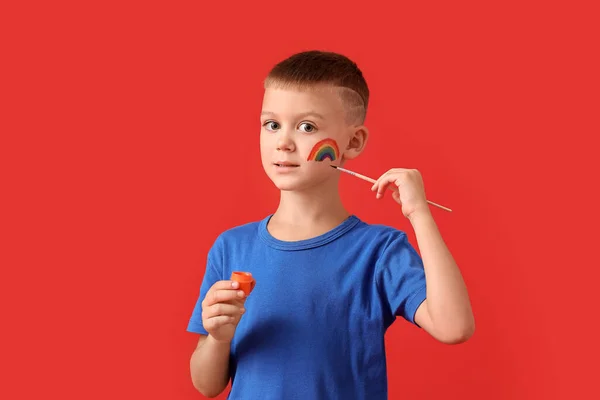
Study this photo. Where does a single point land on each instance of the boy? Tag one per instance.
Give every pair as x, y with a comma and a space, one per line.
327, 284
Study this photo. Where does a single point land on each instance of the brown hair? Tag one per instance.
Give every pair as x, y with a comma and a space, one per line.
320, 68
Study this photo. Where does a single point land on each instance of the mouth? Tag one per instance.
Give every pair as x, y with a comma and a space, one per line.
285, 164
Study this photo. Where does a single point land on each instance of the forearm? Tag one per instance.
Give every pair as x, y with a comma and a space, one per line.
448, 303
209, 366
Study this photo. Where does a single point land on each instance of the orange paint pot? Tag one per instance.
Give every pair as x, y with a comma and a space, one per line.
245, 280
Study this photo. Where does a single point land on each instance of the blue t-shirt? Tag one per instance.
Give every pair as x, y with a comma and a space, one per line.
315, 322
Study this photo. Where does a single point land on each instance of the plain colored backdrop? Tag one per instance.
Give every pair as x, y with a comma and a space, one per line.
129, 141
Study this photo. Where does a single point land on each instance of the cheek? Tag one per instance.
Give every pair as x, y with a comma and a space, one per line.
265, 143
304, 150
325, 149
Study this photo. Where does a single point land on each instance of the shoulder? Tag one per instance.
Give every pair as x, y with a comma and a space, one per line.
243, 233
234, 233
233, 241
384, 245
379, 235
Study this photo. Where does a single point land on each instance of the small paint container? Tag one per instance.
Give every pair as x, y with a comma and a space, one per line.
245, 280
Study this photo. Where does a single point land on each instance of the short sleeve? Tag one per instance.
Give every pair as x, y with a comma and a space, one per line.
400, 279
212, 275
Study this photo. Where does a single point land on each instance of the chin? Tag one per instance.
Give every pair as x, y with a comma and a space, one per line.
291, 185
288, 186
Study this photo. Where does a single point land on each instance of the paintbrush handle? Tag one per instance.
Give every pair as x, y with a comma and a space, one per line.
366, 178
439, 206
391, 187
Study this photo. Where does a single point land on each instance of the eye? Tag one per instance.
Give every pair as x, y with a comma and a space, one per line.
308, 128
271, 125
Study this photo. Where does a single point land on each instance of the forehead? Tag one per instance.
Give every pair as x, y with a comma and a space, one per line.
290, 101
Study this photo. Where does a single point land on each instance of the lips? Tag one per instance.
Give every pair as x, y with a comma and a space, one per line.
286, 164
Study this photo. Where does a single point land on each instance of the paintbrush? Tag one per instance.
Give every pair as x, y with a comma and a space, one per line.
390, 187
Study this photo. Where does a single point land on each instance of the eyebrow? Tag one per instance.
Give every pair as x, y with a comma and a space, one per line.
303, 115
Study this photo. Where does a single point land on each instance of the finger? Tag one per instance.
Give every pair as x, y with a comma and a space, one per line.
222, 285
394, 171
377, 183
219, 285
222, 309
216, 322
389, 172
225, 284
222, 296
240, 303
384, 183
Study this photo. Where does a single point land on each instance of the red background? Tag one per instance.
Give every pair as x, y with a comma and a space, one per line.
130, 140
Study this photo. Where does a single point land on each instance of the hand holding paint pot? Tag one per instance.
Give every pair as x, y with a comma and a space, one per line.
245, 280
222, 309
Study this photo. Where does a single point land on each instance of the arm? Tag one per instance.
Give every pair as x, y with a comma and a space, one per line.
209, 366
446, 313
222, 309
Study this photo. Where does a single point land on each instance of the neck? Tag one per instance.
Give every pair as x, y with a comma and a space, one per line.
307, 214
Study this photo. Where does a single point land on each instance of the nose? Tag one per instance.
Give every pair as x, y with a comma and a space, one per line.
284, 141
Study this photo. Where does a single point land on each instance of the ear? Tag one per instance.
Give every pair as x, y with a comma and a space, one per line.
358, 141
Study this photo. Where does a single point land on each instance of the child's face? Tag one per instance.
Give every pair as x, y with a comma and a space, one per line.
292, 122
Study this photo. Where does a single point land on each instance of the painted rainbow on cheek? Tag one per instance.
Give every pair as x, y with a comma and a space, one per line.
326, 148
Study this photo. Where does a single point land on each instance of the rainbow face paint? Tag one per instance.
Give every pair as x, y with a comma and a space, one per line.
326, 148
